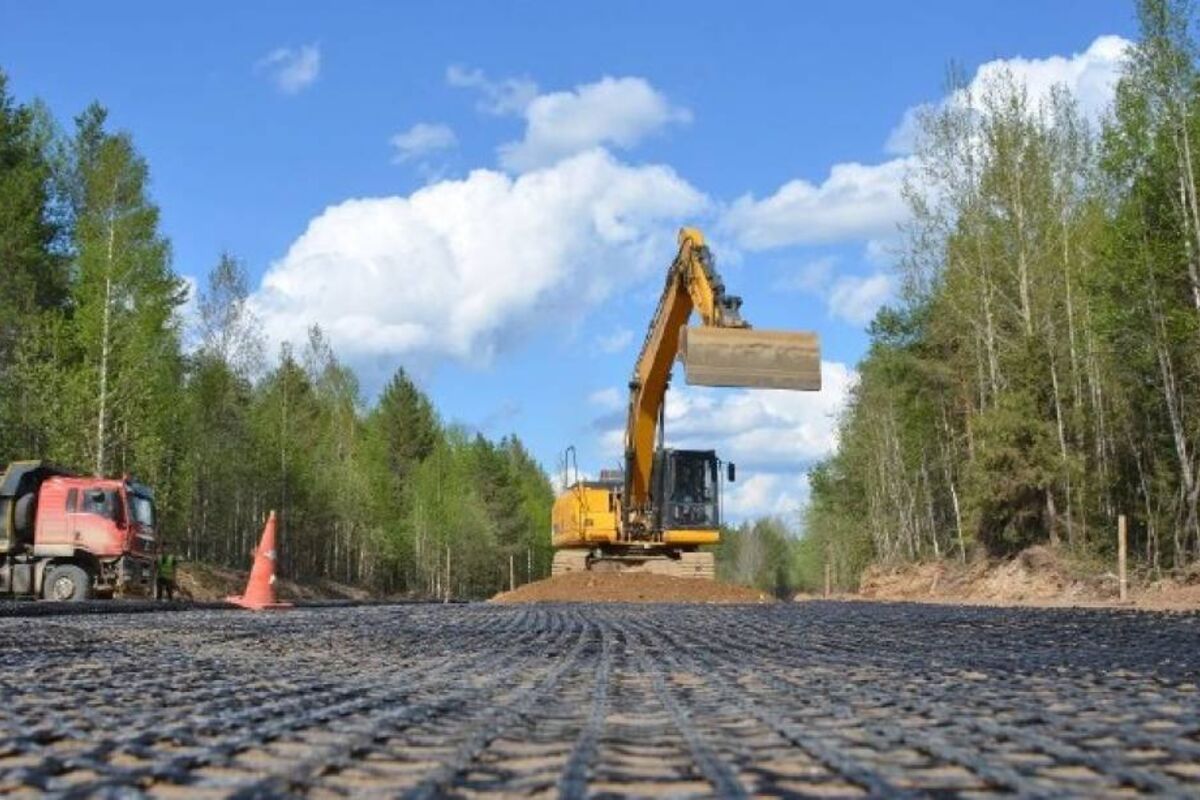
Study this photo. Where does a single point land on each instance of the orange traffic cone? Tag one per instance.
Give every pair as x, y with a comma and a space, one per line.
260, 589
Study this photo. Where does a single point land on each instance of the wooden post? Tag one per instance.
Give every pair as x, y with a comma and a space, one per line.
512, 572
1122, 543
828, 573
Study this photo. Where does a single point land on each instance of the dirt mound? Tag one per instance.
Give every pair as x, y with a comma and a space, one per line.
1034, 575
634, 587
207, 582
1038, 576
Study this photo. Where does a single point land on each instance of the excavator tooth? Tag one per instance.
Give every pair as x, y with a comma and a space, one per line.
750, 358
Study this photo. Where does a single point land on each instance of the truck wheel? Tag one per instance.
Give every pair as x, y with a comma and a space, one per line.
67, 582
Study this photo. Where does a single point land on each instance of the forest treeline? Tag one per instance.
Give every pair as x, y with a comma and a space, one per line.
1041, 374
94, 375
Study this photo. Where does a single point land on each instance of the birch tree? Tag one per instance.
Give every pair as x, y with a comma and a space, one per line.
124, 300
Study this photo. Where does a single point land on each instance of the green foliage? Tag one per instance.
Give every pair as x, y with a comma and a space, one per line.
1007, 481
1040, 374
93, 374
832, 533
123, 297
759, 554
33, 278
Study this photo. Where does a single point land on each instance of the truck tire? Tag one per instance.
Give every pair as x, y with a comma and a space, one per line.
67, 583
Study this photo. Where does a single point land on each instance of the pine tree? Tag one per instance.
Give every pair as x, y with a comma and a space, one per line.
33, 280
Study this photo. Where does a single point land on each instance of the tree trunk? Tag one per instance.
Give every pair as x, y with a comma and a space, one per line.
1062, 443
105, 343
1051, 517
949, 454
1189, 492
1188, 184
1022, 260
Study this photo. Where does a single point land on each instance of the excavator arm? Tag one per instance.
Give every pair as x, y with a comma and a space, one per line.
724, 351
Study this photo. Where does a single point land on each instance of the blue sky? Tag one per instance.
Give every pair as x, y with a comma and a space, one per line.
488, 193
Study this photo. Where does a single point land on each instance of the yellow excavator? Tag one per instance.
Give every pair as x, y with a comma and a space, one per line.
657, 514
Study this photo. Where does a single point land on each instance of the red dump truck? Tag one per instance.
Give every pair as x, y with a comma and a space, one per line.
68, 537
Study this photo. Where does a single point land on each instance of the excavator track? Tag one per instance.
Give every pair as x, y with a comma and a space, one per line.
696, 565
688, 565
566, 561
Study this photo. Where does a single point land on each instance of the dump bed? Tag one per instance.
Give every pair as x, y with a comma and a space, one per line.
21, 480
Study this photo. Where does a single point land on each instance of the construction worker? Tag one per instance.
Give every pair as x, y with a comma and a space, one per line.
164, 583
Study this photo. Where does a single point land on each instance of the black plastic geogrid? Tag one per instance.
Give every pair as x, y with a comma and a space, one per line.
820, 699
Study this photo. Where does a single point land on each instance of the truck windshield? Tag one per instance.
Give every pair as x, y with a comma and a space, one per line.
142, 509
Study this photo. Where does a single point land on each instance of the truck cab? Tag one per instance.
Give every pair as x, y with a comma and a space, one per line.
67, 537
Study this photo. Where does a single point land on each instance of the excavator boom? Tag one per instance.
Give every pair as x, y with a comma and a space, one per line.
722, 351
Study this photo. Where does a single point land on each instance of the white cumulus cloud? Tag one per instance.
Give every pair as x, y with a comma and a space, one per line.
292, 69
459, 268
859, 202
1091, 76
811, 277
766, 494
506, 96
774, 436
850, 298
614, 342
761, 428
613, 112
856, 299
855, 202
422, 139
607, 399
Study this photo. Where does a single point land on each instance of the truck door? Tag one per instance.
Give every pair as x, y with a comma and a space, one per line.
94, 524
72, 515
53, 522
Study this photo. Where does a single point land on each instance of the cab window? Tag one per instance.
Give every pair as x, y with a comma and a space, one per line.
142, 509
693, 493
106, 504
693, 483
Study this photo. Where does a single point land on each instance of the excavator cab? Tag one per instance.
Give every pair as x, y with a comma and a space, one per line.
687, 483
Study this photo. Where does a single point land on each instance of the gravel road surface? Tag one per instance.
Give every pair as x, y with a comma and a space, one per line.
815, 699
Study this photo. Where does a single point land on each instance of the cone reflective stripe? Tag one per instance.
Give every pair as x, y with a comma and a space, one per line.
260, 589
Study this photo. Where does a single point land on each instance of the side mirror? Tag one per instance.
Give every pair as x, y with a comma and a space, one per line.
731, 471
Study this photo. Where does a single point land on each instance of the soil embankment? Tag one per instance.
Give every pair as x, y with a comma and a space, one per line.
634, 587
1038, 576
207, 583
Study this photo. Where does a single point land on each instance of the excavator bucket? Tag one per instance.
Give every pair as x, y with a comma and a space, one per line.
751, 358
